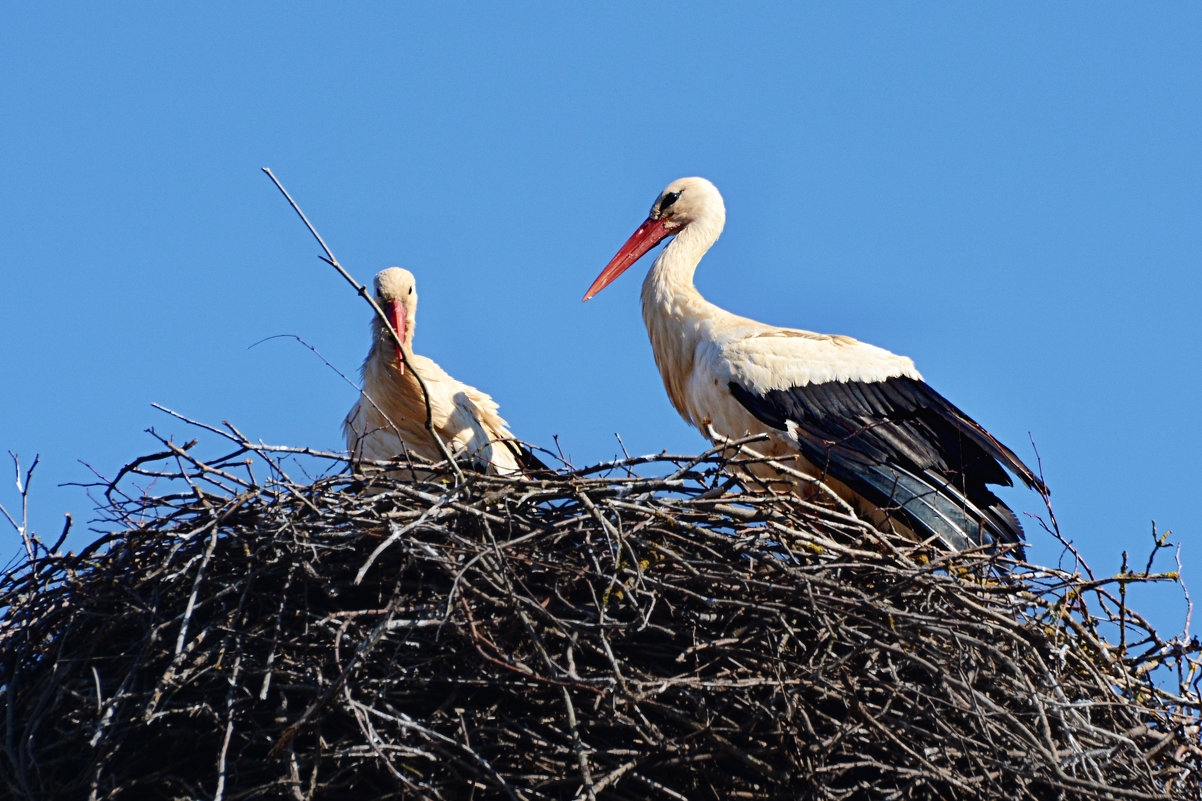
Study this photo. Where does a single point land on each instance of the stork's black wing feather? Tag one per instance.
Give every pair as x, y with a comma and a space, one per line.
524, 456
904, 447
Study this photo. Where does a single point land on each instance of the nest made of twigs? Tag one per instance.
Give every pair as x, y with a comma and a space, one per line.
640, 630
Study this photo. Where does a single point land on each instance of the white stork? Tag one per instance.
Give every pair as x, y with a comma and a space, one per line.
858, 417
389, 418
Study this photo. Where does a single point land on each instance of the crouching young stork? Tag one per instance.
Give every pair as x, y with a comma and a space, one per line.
389, 419
855, 416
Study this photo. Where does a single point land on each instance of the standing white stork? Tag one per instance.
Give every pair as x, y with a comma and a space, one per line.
857, 417
389, 418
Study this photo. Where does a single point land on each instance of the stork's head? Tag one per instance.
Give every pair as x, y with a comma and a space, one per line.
396, 292
684, 202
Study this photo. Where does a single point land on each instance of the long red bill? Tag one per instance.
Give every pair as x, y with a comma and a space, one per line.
395, 310
650, 234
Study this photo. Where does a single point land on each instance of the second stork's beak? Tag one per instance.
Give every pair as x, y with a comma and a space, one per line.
650, 234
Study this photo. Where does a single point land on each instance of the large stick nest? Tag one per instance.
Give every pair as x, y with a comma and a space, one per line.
639, 630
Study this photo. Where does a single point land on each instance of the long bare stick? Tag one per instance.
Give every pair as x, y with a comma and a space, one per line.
362, 290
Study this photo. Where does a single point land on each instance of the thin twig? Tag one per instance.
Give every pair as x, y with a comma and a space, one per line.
396, 338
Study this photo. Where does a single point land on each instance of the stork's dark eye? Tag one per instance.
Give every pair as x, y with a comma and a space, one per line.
410, 290
666, 202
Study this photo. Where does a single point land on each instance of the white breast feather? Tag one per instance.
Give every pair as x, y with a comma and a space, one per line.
389, 418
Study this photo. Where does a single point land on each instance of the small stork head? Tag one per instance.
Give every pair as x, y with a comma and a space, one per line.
396, 292
685, 201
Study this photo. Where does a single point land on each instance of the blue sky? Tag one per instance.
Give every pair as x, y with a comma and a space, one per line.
1008, 193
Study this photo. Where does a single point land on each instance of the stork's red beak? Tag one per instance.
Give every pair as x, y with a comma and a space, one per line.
650, 234
395, 311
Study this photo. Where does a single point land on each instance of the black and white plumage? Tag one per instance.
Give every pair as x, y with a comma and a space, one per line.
855, 416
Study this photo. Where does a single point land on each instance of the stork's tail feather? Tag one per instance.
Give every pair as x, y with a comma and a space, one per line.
933, 507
